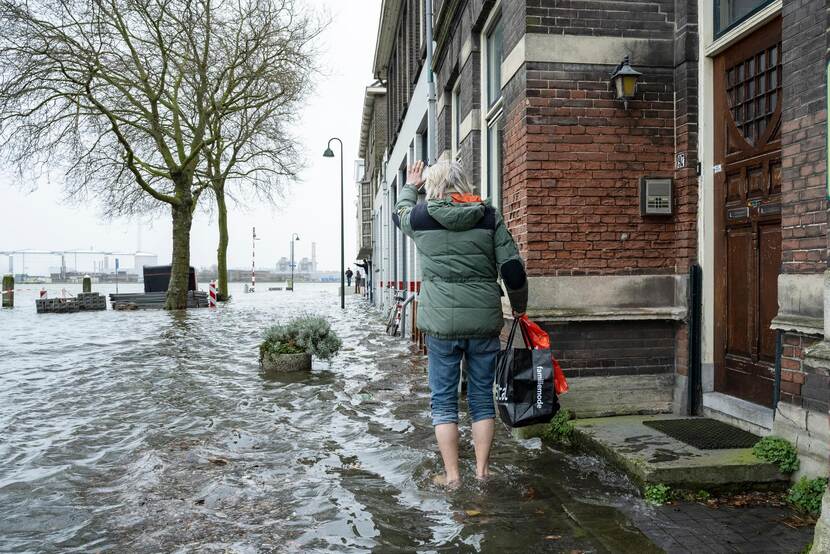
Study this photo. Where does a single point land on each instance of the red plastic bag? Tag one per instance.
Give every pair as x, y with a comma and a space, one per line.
538, 338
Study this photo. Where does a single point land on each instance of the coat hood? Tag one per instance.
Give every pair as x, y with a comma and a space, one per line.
456, 216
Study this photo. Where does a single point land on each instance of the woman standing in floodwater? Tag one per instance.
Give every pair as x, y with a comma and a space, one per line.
463, 247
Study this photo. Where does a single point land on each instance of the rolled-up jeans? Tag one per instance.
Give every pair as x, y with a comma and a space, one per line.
445, 370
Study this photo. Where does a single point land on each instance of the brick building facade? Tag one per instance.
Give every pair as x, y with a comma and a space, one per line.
608, 283
731, 107
372, 149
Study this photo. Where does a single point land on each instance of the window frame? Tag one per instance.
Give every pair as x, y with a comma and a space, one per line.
495, 160
494, 20
716, 5
492, 115
455, 113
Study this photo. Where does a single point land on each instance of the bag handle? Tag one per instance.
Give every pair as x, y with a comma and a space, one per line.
512, 336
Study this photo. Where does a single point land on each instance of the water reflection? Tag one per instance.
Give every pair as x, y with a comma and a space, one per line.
152, 431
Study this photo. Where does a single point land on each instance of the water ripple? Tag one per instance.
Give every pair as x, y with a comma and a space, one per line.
156, 432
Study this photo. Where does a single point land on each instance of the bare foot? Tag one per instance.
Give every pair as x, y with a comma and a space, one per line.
442, 481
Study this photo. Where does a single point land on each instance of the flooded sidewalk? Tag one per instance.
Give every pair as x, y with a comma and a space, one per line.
156, 432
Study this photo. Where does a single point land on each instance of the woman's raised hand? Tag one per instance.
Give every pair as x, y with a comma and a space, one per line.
415, 174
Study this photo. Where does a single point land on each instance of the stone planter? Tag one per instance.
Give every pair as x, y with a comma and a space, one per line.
281, 363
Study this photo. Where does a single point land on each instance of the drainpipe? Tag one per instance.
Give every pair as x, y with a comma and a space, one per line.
693, 381
432, 127
776, 390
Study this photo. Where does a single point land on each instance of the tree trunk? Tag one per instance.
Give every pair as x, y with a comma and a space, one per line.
180, 274
222, 251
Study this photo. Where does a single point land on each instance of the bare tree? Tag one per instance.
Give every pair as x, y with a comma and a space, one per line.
267, 52
121, 92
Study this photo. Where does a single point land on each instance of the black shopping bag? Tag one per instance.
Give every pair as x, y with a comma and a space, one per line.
524, 386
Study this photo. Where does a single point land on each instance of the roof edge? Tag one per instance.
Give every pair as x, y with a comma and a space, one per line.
387, 25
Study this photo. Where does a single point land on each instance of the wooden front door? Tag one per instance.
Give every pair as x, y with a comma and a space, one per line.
748, 213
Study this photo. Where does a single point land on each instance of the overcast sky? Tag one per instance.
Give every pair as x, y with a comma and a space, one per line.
41, 220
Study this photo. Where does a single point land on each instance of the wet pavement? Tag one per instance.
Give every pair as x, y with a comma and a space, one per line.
156, 432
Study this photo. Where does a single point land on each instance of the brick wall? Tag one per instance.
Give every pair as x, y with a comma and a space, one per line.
452, 69
377, 141
380, 124
516, 166
630, 18
444, 120
595, 349
514, 23
573, 157
469, 148
581, 165
405, 65
686, 121
804, 205
800, 384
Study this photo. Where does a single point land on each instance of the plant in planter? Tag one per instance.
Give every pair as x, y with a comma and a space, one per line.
290, 346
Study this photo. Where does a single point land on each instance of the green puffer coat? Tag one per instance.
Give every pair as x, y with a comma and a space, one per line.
462, 249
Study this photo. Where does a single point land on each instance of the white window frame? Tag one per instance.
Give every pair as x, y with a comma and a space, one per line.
488, 114
455, 114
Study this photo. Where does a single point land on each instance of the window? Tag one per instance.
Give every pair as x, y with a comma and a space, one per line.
753, 88
492, 119
494, 55
729, 13
456, 120
424, 153
494, 159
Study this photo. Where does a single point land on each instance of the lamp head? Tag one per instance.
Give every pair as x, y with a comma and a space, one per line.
328, 153
625, 80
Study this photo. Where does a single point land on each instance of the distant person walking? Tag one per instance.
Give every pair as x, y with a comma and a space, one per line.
357, 282
366, 265
349, 274
463, 247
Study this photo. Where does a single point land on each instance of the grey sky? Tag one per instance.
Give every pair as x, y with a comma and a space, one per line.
42, 220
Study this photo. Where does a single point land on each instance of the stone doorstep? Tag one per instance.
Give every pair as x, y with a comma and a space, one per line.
650, 457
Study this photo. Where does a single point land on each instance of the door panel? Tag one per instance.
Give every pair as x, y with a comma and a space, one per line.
739, 254
770, 254
748, 219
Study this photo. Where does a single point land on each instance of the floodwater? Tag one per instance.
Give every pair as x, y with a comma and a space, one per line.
156, 432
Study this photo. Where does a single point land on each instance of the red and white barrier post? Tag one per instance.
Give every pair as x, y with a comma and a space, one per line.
212, 294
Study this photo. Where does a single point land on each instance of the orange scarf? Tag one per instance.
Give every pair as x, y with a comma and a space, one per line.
464, 198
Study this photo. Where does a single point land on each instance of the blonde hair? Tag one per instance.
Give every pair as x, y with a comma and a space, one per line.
444, 178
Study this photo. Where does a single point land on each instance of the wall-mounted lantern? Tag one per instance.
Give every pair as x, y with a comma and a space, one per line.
624, 80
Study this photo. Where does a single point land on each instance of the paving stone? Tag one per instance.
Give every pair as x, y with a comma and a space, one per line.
693, 527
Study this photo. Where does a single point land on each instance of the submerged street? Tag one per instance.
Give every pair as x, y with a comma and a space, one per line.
154, 431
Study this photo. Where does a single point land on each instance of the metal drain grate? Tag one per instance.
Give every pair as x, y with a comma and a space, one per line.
704, 433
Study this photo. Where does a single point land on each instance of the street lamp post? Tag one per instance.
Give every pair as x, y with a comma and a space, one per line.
329, 154
294, 236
